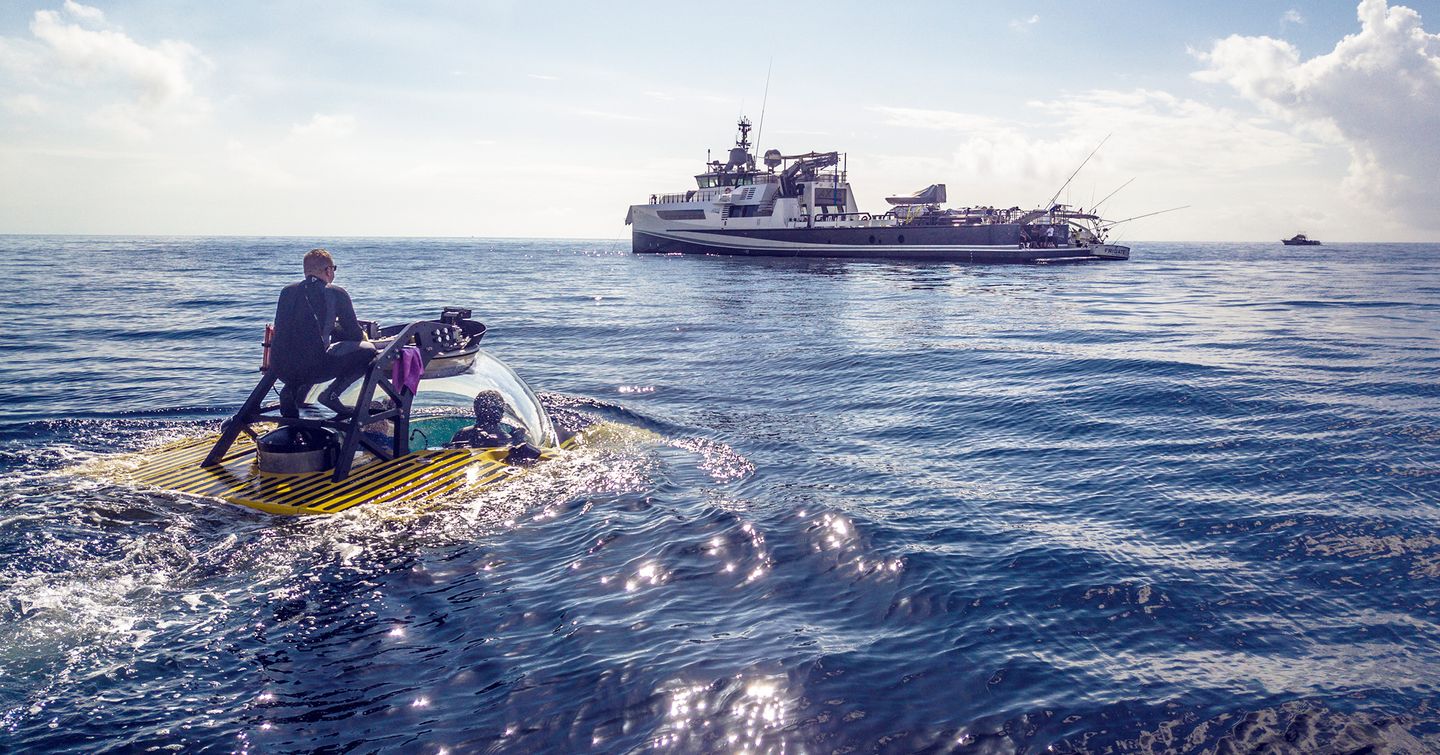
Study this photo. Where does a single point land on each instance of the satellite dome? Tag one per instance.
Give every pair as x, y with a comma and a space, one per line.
772, 158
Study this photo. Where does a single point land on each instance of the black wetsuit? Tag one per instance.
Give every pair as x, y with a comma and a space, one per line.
317, 337
496, 436
475, 437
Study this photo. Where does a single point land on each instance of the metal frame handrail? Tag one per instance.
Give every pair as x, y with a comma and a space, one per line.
426, 334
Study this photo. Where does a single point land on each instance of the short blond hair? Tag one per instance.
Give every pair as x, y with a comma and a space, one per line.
317, 261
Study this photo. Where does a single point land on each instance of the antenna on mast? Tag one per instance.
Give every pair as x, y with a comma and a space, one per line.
1051, 203
763, 101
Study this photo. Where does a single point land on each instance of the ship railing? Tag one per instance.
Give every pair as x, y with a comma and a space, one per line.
672, 197
693, 195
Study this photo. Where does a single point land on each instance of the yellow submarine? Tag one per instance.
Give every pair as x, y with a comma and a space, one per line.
396, 445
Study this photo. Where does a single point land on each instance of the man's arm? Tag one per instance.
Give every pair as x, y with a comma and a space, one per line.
349, 326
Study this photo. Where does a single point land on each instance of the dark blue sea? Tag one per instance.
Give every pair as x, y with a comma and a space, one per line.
1189, 502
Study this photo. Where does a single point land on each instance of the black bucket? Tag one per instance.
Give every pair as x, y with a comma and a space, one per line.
296, 450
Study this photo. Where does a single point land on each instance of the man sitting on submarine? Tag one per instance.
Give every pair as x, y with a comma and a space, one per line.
317, 337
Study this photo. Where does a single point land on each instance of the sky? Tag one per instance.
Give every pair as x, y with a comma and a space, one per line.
547, 119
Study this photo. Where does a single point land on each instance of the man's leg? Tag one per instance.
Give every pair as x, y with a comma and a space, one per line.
292, 397
348, 361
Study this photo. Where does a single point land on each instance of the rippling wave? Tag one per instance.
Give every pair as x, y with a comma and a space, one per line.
1185, 503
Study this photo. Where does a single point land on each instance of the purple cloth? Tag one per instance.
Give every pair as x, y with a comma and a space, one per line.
406, 371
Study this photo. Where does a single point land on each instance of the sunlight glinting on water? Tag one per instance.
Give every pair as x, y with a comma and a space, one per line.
722, 462
746, 714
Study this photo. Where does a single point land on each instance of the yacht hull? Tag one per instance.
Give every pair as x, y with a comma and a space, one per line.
940, 244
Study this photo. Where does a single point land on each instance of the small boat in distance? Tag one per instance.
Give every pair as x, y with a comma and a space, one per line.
1300, 239
802, 205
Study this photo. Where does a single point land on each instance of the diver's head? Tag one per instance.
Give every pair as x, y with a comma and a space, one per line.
489, 408
320, 264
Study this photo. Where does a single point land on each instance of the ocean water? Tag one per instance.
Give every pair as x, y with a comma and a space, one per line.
1189, 502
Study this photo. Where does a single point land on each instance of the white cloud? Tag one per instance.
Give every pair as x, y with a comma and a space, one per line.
543, 77
23, 58
25, 105
1377, 92
325, 127
1154, 131
102, 75
1023, 24
121, 119
1227, 164
85, 12
258, 166
161, 74
1292, 16
1166, 132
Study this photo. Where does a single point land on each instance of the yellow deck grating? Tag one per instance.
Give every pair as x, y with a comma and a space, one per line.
418, 476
